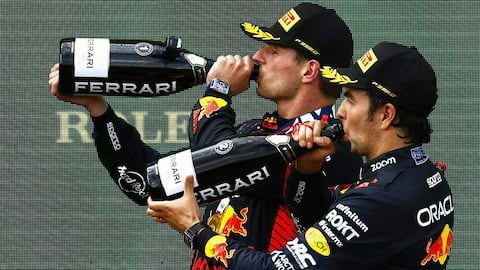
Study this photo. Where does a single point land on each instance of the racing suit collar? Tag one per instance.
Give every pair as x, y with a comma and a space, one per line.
287, 124
408, 156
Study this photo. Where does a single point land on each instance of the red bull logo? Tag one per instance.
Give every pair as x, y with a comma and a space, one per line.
228, 222
231, 222
439, 250
270, 123
216, 248
209, 106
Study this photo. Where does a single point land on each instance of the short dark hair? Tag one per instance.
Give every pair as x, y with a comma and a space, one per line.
417, 128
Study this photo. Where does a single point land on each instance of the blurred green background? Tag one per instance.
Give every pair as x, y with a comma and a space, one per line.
60, 209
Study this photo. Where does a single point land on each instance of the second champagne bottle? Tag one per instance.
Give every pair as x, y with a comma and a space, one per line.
231, 166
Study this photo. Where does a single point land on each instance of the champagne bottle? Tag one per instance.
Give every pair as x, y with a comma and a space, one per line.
231, 166
97, 66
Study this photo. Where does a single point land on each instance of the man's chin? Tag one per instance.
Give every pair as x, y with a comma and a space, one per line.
262, 95
353, 148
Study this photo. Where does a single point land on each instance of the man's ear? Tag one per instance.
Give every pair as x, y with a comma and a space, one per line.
311, 70
388, 114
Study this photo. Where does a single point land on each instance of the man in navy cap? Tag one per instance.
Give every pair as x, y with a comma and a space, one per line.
399, 215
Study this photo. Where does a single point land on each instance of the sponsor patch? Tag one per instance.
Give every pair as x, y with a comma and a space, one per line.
300, 252
317, 241
113, 137
270, 123
367, 60
288, 20
280, 260
343, 226
434, 212
307, 46
326, 229
418, 155
300, 192
384, 89
353, 216
131, 182
378, 165
434, 180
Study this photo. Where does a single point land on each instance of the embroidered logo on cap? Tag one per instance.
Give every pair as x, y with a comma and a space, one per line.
288, 20
306, 46
256, 32
367, 60
384, 89
335, 77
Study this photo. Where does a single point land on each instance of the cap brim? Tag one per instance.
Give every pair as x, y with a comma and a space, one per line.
345, 77
260, 33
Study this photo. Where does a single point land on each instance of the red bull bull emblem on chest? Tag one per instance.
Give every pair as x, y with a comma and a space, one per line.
229, 222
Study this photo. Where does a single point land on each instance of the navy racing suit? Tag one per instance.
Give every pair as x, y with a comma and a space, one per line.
399, 215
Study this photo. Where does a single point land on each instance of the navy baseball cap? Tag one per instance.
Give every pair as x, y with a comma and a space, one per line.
313, 30
394, 72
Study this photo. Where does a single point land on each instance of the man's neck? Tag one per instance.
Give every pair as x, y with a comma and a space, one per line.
388, 142
298, 107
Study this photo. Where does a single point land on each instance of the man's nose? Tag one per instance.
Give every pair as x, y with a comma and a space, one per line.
340, 112
258, 56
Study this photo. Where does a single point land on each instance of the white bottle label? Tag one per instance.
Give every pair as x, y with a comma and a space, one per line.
174, 169
92, 57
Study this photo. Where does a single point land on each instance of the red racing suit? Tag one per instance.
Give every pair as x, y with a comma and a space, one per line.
399, 215
260, 218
